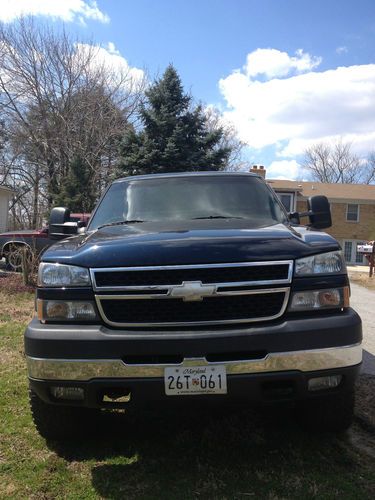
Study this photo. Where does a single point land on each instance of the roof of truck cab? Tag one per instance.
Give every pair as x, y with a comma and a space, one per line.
186, 174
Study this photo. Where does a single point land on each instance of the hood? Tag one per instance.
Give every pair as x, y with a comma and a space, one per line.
200, 242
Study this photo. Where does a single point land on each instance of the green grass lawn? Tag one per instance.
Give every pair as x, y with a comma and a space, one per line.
172, 456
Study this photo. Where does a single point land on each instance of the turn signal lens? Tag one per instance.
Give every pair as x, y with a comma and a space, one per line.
329, 298
61, 310
57, 309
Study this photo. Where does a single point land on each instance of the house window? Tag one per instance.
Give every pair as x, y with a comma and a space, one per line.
352, 213
287, 200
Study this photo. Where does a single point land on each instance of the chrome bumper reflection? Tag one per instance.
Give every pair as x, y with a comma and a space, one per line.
81, 369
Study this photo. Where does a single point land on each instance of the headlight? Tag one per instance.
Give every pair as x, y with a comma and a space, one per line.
65, 310
60, 275
328, 298
323, 263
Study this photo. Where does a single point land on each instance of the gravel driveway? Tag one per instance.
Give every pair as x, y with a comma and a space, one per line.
363, 301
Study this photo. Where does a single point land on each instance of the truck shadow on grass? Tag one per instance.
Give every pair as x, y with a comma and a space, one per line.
368, 362
234, 454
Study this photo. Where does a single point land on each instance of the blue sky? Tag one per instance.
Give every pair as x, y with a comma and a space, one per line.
207, 39
286, 73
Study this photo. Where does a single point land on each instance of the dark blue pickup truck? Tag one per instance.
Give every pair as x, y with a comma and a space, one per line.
192, 289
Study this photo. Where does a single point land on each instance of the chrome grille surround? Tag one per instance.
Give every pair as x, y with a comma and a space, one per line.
165, 292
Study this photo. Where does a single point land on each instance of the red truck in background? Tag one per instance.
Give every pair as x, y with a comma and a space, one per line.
35, 240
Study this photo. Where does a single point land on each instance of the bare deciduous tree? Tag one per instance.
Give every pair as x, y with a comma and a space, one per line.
370, 168
229, 138
59, 99
338, 164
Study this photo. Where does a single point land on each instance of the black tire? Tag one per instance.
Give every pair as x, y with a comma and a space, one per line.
61, 422
327, 414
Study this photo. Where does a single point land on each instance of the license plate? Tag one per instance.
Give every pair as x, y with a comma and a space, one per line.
195, 380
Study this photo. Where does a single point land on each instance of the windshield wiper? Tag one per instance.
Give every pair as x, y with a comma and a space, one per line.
217, 217
121, 222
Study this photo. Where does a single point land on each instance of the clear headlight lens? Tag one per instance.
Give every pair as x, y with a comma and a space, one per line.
328, 298
323, 263
60, 275
64, 310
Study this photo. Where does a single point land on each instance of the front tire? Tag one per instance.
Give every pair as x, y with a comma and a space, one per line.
327, 413
61, 422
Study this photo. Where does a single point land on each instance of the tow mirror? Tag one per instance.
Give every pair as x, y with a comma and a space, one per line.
59, 224
319, 212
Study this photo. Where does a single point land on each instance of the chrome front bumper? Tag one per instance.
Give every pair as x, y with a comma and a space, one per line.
88, 369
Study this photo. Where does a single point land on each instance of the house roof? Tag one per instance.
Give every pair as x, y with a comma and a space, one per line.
355, 192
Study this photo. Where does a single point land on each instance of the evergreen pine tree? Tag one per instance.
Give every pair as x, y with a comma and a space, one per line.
175, 136
77, 191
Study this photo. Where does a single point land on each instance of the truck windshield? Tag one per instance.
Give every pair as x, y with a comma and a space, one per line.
188, 198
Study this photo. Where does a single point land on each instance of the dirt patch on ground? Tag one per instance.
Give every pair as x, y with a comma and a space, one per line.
15, 308
363, 279
11, 283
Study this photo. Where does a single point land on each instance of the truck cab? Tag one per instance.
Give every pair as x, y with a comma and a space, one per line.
193, 288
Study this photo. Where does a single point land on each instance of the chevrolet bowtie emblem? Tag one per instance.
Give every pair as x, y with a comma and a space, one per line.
191, 291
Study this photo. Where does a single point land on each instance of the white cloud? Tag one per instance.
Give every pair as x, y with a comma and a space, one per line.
114, 62
342, 50
67, 10
112, 49
284, 169
361, 144
292, 112
273, 63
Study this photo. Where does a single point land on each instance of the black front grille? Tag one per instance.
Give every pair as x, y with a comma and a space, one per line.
205, 275
214, 309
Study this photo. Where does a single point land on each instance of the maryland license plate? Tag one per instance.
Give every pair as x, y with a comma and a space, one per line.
195, 380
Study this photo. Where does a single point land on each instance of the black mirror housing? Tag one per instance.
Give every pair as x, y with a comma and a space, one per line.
59, 224
319, 212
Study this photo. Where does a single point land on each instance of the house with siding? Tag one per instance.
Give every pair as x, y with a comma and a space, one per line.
352, 209
5, 196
